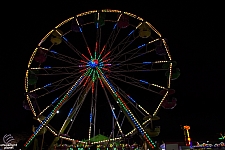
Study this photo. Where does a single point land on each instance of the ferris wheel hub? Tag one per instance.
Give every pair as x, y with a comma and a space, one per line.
93, 63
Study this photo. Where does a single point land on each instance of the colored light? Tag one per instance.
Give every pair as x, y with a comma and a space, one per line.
65, 39
47, 85
144, 81
47, 67
125, 107
70, 112
115, 26
130, 32
93, 63
55, 110
141, 46
147, 62
54, 52
80, 29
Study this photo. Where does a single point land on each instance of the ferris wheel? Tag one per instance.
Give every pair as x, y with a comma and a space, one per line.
104, 70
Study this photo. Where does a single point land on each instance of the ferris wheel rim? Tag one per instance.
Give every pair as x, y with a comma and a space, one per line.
59, 25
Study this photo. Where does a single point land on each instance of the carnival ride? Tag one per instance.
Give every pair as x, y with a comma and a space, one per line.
96, 64
187, 138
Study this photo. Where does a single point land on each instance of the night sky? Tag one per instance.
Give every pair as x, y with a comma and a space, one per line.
194, 32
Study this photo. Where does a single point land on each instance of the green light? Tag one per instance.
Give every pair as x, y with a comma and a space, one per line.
87, 72
94, 76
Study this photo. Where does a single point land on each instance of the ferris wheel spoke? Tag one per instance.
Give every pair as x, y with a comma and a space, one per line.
122, 67
98, 42
136, 56
73, 111
54, 90
48, 70
75, 108
85, 41
131, 67
115, 28
123, 57
69, 44
130, 100
150, 119
54, 86
79, 101
113, 112
135, 82
134, 122
93, 110
126, 40
125, 45
49, 127
95, 97
56, 108
64, 58
53, 103
98, 37
134, 53
112, 37
136, 67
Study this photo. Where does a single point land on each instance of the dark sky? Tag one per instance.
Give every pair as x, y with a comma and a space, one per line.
194, 31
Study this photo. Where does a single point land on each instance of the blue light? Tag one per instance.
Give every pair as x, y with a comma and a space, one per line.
130, 32
141, 45
131, 98
70, 112
97, 25
144, 81
65, 39
147, 62
90, 117
54, 52
93, 63
55, 100
113, 114
114, 26
47, 67
80, 29
47, 85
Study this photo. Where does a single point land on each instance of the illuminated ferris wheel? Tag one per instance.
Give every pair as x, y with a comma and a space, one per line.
102, 69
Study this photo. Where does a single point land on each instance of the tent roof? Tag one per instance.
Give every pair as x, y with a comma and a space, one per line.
97, 138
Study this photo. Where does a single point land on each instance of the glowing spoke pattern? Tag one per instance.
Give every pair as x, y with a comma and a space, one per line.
127, 110
125, 39
74, 109
135, 51
56, 55
57, 99
99, 62
56, 108
136, 82
54, 86
113, 112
